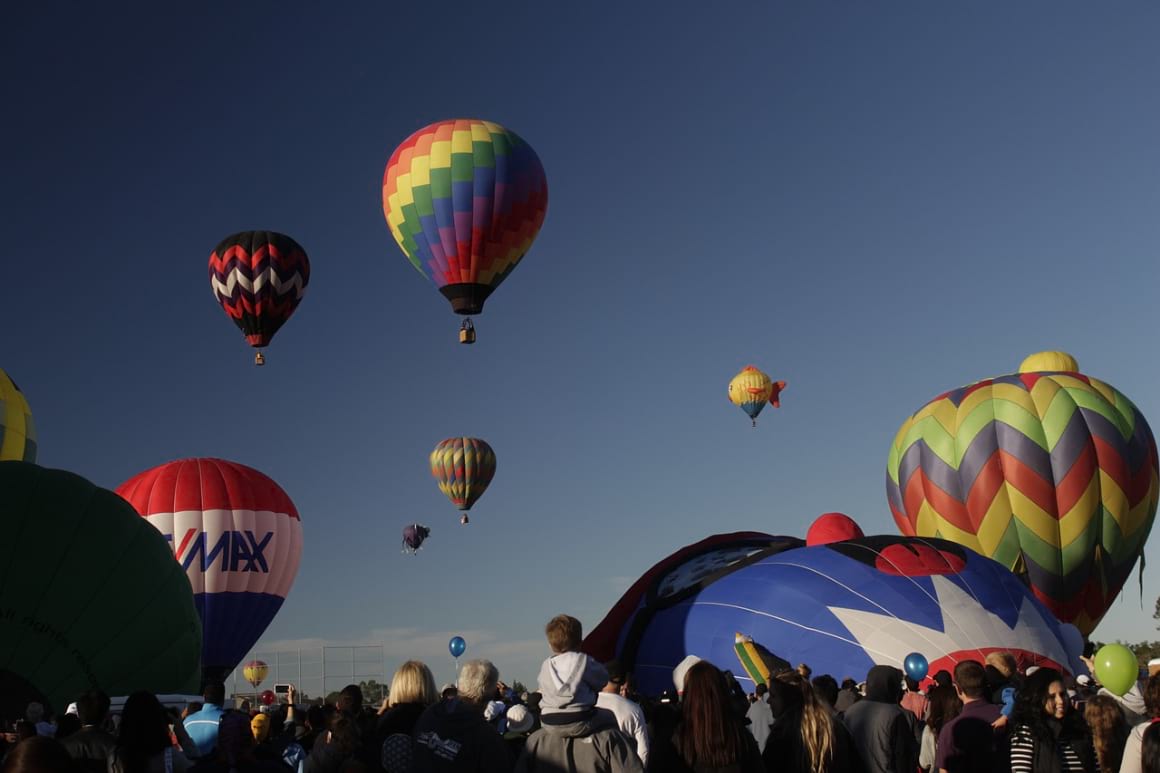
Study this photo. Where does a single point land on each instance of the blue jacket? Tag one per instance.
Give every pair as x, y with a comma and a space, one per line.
202, 727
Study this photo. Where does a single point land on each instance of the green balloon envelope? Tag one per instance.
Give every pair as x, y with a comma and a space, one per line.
90, 595
1116, 668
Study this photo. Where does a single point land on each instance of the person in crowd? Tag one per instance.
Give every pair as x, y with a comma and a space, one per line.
448, 692
1150, 749
826, 690
760, 716
36, 714
234, 750
315, 724
805, 671
944, 706
629, 716
664, 713
341, 747
1133, 757
66, 725
1109, 731
882, 732
412, 692
202, 726
519, 726
913, 700
711, 735
143, 743
1002, 678
569, 680
942, 678
91, 745
1046, 736
847, 696
453, 736
969, 742
806, 736
39, 754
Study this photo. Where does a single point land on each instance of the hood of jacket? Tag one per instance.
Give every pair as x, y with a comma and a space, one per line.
884, 684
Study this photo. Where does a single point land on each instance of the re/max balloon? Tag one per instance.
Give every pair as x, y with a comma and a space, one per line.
238, 537
90, 597
841, 608
259, 278
1054, 474
464, 199
17, 433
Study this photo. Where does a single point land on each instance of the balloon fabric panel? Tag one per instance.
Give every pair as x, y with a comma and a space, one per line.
94, 595
238, 537
464, 199
1051, 473
17, 432
259, 278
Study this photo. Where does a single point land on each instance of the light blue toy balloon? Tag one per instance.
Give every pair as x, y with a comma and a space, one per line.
916, 666
458, 646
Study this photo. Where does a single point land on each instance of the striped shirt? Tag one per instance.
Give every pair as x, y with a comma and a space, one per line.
1023, 754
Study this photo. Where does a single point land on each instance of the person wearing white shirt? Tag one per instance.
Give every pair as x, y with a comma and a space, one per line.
629, 715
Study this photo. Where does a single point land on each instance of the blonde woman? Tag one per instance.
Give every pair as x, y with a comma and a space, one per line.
412, 692
805, 737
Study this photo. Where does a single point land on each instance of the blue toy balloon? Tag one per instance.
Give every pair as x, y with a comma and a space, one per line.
457, 646
916, 666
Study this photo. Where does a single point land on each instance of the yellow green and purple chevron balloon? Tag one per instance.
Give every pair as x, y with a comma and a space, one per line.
1052, 473
464, 467
465, 199
17, 432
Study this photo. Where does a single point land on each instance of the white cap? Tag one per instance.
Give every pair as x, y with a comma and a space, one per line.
1031, 670
519, 719
682, 669
1083, 679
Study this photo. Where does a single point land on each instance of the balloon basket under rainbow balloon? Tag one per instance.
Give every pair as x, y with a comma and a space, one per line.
467, 332
259, 359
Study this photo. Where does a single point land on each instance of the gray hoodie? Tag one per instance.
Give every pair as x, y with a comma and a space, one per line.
569, 682
591, 745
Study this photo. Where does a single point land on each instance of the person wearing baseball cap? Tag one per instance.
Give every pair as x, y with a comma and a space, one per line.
629, 716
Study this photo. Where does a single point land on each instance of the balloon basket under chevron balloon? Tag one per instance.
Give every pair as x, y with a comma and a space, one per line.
259, 359
464, 520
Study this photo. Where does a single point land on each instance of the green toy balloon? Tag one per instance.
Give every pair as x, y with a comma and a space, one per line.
90, 595
1116, 668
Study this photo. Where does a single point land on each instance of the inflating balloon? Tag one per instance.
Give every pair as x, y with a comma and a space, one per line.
237, 536
841, 608
413, 537
90, 597
833, 527
464, 199
464, 467
915, 666
1116, 668
255, 671
259, 277
751, 390
457, 646
1054, 474
17, 433
267, 697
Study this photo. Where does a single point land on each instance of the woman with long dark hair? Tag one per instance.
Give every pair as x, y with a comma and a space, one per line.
1046, 736
1109, 731
944, 706
1150, 749
144, 743
806, 737
711, 736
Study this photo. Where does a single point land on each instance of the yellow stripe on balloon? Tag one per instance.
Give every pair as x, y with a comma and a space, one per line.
995, 523
461, 141
440, 154
1075, 521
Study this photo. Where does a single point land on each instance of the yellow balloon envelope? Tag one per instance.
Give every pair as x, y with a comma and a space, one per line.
17, 434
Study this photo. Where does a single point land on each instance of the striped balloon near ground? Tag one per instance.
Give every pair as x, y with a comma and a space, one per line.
1053, 474
17, 432
464, 467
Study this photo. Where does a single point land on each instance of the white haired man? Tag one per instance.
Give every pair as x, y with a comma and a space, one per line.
452, 735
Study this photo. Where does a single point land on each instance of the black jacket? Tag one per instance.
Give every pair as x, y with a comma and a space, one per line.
90, 747
453, 736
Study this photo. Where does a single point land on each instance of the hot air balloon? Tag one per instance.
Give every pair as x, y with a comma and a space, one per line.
464, 199
255, 671
17, 433
751, 390
259, 277
464, 466
414, 535
90, 598
841, 607
1051, 473
236, 534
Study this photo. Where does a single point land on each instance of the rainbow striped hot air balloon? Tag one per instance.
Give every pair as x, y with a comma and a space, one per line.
464, 199
464, 467
1052, 473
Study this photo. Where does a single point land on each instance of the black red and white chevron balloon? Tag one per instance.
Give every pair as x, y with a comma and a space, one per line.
259, 278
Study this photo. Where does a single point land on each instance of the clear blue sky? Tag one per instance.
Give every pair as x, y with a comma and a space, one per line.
873, 202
